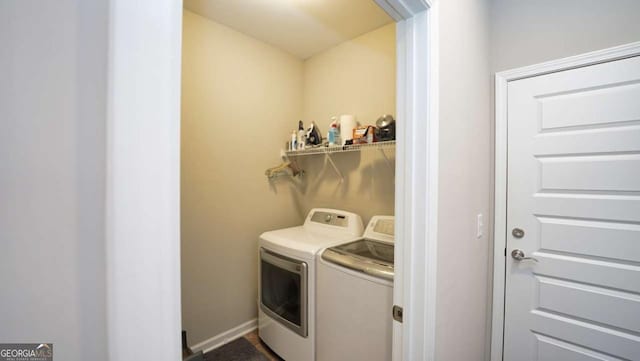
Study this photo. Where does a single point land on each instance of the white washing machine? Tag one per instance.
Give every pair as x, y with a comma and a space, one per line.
355, 296
286, 290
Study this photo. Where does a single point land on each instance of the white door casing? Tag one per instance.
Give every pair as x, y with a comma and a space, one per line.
143, 180
416, 176
572, 139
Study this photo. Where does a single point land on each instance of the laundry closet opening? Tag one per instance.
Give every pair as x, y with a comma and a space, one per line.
251, 71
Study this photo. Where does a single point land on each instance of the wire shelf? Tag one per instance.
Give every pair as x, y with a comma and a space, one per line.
341, 148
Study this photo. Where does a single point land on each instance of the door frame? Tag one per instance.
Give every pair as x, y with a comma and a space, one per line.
143, 182
500, 206
142, 226
416, 201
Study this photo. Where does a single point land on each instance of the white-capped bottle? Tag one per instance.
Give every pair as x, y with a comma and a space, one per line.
294, 141
302, 137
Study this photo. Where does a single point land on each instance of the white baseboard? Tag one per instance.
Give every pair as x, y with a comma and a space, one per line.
226, 337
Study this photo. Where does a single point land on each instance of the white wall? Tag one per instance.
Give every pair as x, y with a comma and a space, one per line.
530, 32
464, 184
52, 169
239, 98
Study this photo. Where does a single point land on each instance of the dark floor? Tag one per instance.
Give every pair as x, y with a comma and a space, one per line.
250, 347
261, 346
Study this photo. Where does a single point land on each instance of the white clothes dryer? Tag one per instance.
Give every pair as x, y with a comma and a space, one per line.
286, 290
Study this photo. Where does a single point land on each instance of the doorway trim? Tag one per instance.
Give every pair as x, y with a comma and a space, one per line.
142, 240
500, 220
416, 205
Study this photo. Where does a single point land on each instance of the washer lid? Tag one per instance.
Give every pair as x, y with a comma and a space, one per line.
365, 255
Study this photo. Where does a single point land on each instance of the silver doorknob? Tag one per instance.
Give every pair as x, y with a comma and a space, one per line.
518, 255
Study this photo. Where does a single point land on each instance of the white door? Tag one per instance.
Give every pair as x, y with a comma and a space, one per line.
574, 190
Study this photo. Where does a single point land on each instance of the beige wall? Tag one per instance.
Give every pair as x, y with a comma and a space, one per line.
464, 189
356, 77
240, 100
239, 97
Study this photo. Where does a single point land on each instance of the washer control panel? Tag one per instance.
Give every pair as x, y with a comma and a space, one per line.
384, 226
381, 228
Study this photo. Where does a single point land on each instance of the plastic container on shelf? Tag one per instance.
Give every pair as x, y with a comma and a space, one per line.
302, 137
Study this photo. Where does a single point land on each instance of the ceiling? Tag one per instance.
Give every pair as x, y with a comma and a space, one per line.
300, 27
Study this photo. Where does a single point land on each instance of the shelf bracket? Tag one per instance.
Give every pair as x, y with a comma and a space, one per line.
334, 167
386, 159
